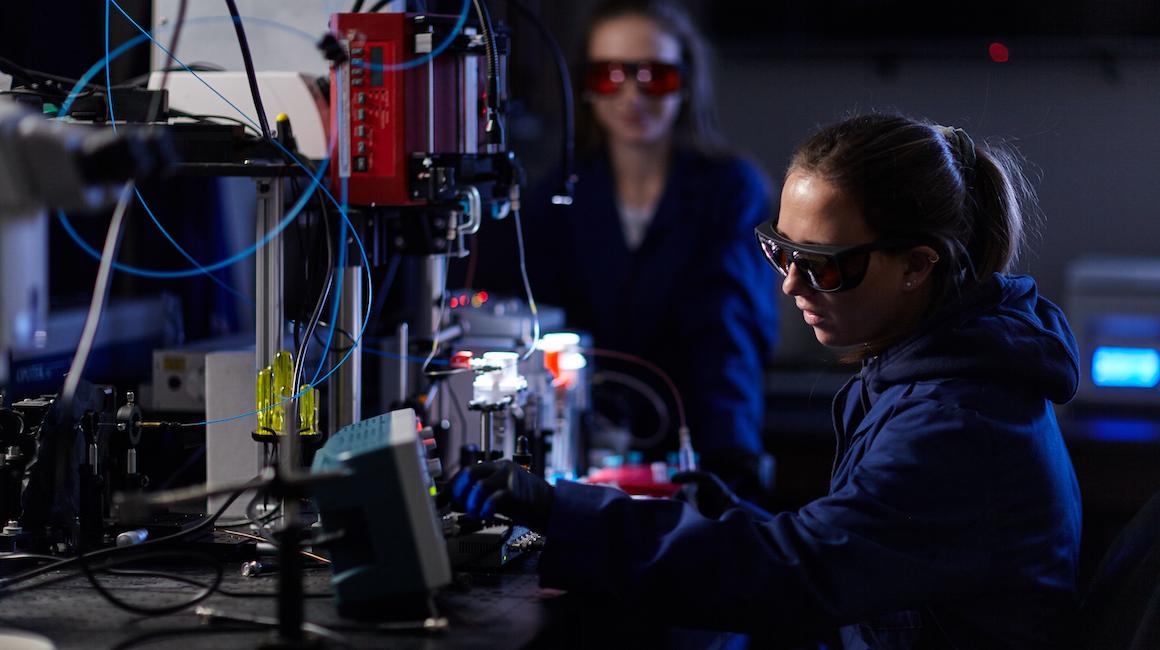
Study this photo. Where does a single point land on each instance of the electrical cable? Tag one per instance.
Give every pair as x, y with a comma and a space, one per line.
251, 74
5, 582
315, 180
155, 102
340, 265
313, 556
154, 105
491, 129
295, 210
205, 118
211, 616
315, 184
316, 314
173, 242
34, 76
563, 195
649, 394
527, 287
435, 51
438, 323
358, 5
197, 583
381, 299
652, 367
206, 590
97, 303
154, 635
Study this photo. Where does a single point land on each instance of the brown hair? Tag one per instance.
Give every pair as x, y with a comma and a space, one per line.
696, 126
917, 180
969, 201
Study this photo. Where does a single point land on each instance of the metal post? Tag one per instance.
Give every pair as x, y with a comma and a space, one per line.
428, 318
485, 425
290, 608
269, 316
404, 344
346, 382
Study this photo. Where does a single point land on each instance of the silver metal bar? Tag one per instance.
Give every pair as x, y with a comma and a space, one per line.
269, 315
404, 343
428, 318
290, 459
346, 383
485, 428
431, 106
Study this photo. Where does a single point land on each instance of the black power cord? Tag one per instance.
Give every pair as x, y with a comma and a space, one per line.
251, 75
563, 194
155, 102
492, 128
206, 590
6, 583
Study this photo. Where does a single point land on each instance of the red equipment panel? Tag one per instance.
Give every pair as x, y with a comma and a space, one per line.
371, 143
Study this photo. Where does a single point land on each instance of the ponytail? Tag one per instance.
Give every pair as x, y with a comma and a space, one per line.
1001, 198
917, 180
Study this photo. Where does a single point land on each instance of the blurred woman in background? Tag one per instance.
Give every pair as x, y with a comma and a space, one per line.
655, 256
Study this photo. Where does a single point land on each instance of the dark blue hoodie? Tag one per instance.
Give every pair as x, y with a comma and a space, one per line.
953, 518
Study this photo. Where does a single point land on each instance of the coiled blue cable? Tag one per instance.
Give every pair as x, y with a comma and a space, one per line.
315, 184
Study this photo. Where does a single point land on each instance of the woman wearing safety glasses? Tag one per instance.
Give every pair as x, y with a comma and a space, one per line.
655, 255
953, 518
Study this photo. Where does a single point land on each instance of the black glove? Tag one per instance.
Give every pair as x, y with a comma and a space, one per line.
502, 487
705, 492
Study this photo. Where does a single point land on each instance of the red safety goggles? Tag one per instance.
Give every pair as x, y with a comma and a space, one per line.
653, 78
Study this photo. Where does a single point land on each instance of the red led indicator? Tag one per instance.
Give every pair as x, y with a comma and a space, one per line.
998, 52
454, 303
482, 295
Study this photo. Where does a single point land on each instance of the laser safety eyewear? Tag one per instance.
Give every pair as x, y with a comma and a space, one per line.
653, 78
829, 269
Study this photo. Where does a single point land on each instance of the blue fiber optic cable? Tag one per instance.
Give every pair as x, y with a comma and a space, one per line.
295, 210
137, 192
436, 51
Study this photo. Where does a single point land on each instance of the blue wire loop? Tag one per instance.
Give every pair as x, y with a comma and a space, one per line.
297, 208
436, 51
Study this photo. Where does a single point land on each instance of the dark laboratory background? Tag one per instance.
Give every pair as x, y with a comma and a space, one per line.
1075, 85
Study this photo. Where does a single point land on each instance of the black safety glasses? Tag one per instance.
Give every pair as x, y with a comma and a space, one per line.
829, 269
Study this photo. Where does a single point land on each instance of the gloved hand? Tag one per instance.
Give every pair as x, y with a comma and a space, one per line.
705, 492
502, 487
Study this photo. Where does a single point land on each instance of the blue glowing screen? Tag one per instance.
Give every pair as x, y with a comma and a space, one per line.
1126, 367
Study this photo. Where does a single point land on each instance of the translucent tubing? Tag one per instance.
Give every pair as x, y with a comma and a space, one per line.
242, 255
315, 185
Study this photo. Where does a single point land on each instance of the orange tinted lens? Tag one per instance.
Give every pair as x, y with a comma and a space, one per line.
822, 270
